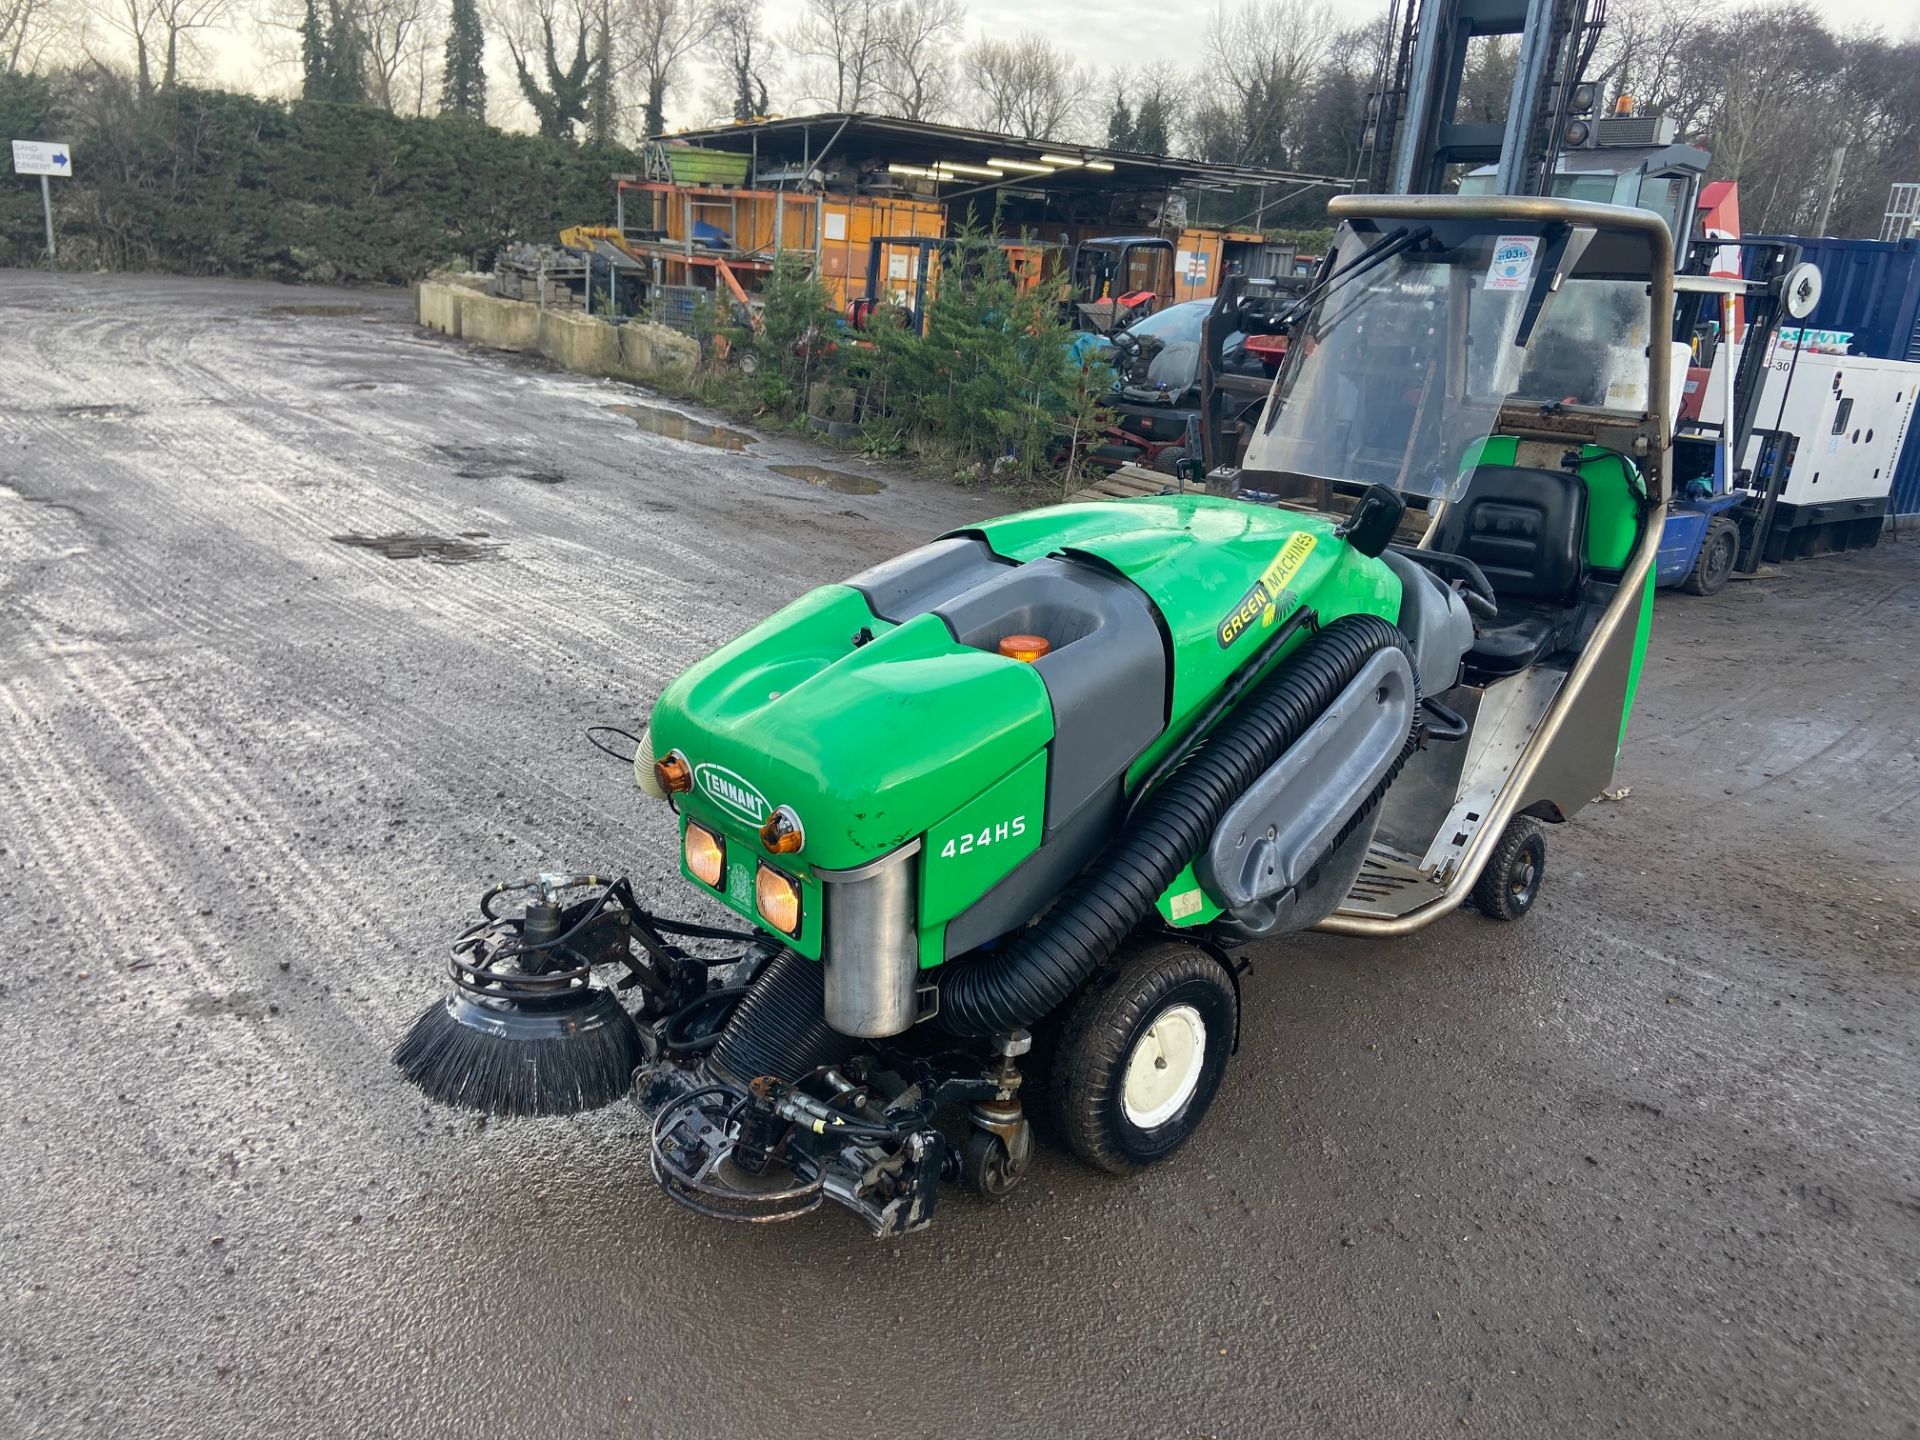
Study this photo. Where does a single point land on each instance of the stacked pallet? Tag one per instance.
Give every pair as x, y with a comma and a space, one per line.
1126, 483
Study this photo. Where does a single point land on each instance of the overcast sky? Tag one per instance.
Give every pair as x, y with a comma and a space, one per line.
1129, 33
1135, 32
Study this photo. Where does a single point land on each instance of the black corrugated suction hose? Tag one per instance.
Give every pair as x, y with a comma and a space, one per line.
1040, 967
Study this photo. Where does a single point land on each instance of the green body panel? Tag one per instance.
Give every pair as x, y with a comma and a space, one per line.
910, 735
975, 848
979, 843
1643, 631
1616, 496
743, 859
869, 744
1222, 574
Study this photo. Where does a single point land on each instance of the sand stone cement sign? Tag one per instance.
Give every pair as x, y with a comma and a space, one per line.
42, 157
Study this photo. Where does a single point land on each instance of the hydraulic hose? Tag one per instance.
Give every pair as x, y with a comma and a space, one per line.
1040, 967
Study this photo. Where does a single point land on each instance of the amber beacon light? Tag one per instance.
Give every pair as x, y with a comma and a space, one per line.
1024, 647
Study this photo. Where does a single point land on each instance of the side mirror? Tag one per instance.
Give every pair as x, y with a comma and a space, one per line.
1370, 528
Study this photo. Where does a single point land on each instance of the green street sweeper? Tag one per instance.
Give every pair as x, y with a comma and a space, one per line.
1008, 817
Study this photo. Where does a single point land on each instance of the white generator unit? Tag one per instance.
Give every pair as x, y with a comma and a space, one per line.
1848, 416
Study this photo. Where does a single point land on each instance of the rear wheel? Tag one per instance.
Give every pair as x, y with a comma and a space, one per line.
1141, 1056
1511, 882
1719, 548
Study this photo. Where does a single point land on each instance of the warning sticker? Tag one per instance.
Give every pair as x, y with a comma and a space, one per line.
1512, 263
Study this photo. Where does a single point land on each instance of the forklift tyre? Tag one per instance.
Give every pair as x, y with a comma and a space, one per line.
1719, 549
1141, 1055
1511, 882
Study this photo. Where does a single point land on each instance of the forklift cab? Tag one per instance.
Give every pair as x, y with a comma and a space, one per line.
1504, 365
1121, 279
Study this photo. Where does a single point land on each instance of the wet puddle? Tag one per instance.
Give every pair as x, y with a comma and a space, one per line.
675, 426
468, 546
838, 481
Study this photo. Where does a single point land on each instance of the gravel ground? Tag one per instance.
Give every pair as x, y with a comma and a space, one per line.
1644, 1163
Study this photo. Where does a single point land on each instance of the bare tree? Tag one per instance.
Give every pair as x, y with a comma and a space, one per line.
916, 56
741, 58
842, 46
1025, 86
158, 31
1647, 51
547, 40
659, 36
1261, 62
28, 30
397, 41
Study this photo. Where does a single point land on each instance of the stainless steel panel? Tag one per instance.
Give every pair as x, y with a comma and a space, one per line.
872, 950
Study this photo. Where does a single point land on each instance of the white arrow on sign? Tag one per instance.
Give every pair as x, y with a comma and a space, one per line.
42, 157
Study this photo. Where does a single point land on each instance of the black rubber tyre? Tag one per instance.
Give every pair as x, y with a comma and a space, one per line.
1167, 462
1089, 1095
988, 1169
1719, 549
1511, 882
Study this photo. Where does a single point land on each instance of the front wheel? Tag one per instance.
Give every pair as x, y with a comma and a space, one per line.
1719, 549
1511, 882
1141, 1056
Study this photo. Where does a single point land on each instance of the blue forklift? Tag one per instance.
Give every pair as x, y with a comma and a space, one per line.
1725, 485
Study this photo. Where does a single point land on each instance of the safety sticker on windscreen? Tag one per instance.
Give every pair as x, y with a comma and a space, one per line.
1512, 263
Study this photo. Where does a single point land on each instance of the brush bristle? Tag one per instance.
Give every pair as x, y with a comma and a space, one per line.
501, 1060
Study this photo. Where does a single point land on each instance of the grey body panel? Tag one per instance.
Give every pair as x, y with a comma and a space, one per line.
1434, 619
913, 583
1325, 888
1283, 828
1107, 680
1106, 674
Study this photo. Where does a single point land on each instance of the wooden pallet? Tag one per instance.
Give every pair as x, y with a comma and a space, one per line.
1126, 483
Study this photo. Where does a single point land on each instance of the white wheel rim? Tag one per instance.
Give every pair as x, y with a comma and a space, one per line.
1164, 1069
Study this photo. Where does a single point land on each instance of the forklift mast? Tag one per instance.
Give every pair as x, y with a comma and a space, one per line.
1413, 138
1415, 144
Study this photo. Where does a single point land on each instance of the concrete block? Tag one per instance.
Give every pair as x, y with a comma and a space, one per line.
499, 324
440, 306
580, 343
648, 350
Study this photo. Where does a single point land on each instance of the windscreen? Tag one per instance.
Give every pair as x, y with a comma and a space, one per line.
1401, 366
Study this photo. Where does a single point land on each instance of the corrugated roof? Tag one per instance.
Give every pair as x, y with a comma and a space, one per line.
808, 139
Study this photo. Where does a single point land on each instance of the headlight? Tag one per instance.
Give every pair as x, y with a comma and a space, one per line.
706, 855
777, 894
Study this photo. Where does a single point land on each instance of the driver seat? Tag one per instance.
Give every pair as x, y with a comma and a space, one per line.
1527, 531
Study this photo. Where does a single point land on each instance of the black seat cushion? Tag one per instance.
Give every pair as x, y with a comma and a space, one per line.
1526, 529
1520, 635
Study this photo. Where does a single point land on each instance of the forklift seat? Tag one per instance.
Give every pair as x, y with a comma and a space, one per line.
1527, 531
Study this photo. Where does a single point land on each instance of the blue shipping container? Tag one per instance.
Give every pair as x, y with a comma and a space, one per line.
1868, 287
1871, 288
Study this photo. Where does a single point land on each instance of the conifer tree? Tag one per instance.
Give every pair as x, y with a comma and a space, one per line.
463, 82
